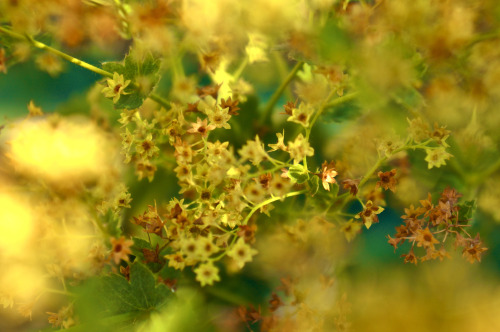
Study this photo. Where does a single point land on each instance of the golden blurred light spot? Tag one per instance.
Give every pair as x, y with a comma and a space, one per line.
22, 281
16, 224
59, 152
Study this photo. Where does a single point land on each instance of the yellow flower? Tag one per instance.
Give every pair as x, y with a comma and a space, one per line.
328, 174
302, 114
425, 238
116, 87
369, 214
253, 151
256, 48
280, 145
300, 148
351, 229
121, 249
241, 253
176, 261
207, 273
206, 248
437, 157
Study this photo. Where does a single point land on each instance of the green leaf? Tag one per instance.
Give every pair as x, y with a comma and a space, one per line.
140, 294
140, 244
144, 66
168, 272
334, 189
137, 251
314, 184
130, 101
467, 209
298, 173
323, 198
113, 67
105, 303
143, 71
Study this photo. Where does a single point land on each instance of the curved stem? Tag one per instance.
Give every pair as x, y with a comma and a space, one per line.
76, 61
47, 48
56, 291
266, 115
159, 100
341, 100
379, 162
269, 201
240, 68
326, 103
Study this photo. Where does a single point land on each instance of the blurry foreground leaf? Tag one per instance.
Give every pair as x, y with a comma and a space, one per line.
113, 297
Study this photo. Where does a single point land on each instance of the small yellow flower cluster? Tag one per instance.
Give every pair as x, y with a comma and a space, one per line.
361, 73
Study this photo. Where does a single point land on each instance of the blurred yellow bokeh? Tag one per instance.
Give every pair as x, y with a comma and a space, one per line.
59, 151
16, 224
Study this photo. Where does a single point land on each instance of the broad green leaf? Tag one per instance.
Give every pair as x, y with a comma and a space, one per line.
145, 66
140, 294
168, 272
114, 67
130, 101
111, 300
140, 244
137, 250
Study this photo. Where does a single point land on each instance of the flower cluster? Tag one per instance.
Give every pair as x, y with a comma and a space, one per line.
429, 225
372, 89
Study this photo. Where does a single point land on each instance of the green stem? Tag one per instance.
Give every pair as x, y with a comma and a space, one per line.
122, 12
226, 295
269, 201
282, 67
489, 171
486, 36
159, 100
250, 214
341, 100
240, 68
56, 291
326, 103
265, 171
266, 115
76, 61
379, 162
371, 171
47, 48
